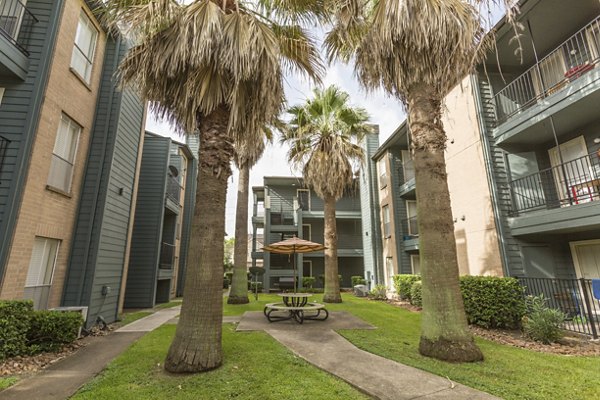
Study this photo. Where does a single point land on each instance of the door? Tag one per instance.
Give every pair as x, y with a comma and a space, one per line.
572, 175
586, 257
411, 212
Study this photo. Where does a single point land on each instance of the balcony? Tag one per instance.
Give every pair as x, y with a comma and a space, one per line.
16, 26
173, 189
410, 227
567, 184
560, 69
167, 256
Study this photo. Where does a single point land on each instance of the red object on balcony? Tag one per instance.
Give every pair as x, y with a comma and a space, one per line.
578, 70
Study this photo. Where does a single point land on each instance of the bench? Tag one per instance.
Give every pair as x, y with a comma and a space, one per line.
316, 312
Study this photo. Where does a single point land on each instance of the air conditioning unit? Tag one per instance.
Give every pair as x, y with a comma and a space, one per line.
361, 290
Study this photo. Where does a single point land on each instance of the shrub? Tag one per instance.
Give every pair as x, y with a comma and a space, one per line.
225, 283
358, 280
15, 319
256, 285
379, 292
542, 323
493, 302
229, 276
416, 294
403, 283
308, 282
50, 330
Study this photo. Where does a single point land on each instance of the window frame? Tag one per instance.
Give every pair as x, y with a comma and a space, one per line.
382, 172
385, 211
298, 196
89, 58
71, 123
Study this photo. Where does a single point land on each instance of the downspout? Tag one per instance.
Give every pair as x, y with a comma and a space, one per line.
99, 175
492, 184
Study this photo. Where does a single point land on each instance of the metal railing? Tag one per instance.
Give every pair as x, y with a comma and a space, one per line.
3, 147
283, 218
16, 23
173, 189
410, 228
572, 59
574, 297
61, 173
167, 256
570, 183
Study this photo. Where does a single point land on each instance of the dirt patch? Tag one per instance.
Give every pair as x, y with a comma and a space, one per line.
570, 345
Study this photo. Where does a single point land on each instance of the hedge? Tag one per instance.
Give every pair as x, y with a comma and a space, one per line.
358, 280
493, 302
24, 331
416, 294
403, 283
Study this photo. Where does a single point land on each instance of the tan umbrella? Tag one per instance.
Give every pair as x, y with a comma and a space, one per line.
292, 246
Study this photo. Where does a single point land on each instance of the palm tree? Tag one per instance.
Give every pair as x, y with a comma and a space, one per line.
244, 160
323, 135
417, 50
215, 66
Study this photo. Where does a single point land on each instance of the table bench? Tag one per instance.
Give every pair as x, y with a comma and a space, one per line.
317, 312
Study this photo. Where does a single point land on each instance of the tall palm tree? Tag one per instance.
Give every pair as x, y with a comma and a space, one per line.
323, 135
215, 66
245, 158
417, 50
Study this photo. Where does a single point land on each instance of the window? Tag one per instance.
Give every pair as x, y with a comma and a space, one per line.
382, 167
63, 156
304, 199
84, 48
41, 270
11, 16
386, 221
306, 232
415, 263
389, 272
408, 166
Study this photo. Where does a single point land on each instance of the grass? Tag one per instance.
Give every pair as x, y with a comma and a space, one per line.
127, 318
507, 372
255, 367
7, 382
170, 304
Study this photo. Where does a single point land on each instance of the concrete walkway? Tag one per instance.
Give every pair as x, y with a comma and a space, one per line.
374, 375
61, 380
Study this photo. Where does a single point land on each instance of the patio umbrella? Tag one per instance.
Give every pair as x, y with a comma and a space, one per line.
292, 246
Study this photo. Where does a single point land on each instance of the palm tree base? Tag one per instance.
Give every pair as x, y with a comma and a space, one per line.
451, 350
238, 300
332, 298
183, 360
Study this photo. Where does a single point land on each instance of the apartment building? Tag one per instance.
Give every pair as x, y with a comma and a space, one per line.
161, 231
541, 127
523, 155
68, 158
283, 208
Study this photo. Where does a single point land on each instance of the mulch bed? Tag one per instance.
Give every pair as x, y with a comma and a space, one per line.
570, 345
25, 365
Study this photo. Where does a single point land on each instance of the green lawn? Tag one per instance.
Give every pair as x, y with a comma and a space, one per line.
129, 317
255, 367
6, 382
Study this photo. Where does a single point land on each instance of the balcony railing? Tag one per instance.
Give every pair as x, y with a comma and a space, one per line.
572, 59
570, 183
16, 23
574, 297
283, 218
408, 168
167, 256
173, 189
3, 147
411, 228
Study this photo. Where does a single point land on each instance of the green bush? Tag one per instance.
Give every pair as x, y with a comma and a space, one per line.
308, 282
379, 292
403, 283
15, 317
229, 276
493, 302
225, 283
416, 294
255, 285
358, 280
542, 324
50, 330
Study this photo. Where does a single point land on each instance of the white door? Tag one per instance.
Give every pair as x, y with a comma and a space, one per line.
411, 211
586, 256
570, 178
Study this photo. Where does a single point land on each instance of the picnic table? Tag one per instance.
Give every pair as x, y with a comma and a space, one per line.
297, 307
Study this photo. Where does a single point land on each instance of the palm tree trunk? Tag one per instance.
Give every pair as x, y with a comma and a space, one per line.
197, 343
239, 285
332, 281
444, 331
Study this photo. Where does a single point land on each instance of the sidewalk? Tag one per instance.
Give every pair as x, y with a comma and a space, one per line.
61, 380
384, 379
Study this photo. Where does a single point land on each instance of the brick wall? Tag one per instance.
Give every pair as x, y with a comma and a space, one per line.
44, 212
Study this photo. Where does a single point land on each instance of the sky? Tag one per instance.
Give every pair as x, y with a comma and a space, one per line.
385, 111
